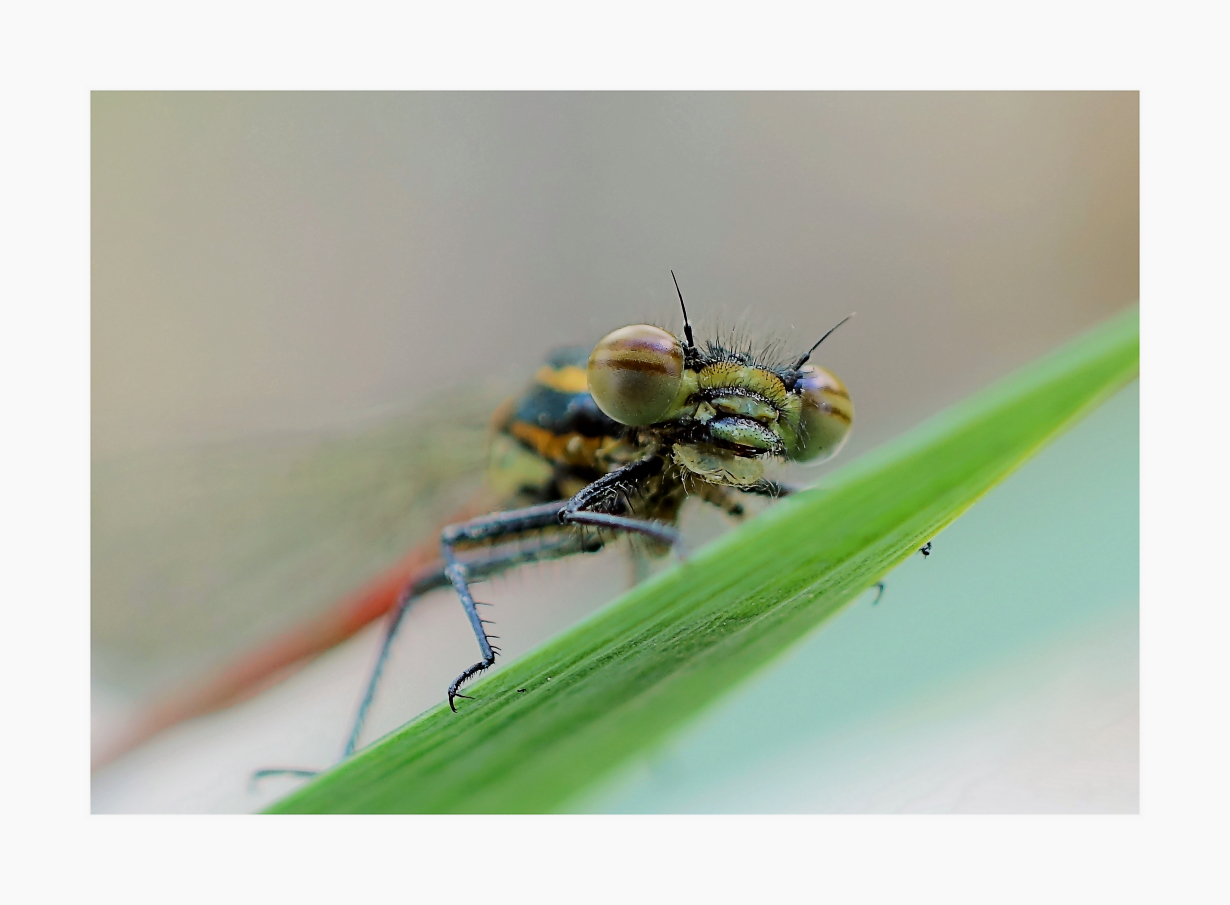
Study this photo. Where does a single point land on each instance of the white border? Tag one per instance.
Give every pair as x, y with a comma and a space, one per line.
61, 52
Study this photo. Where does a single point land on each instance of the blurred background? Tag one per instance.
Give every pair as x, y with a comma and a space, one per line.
305, 304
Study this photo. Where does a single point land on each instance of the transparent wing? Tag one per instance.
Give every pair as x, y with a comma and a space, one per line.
204, 557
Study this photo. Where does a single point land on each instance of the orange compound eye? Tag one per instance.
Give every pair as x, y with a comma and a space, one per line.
635, 373
826, 416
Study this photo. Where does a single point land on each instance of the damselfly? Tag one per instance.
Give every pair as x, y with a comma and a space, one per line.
611, 441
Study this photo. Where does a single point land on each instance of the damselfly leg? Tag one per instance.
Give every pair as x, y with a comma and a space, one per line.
585, 508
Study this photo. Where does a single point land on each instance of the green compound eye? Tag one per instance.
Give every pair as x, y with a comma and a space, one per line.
635, 373
826, 416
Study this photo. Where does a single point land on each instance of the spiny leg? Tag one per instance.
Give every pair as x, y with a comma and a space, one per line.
496, 527
604, 492
661, 533
485, 568
585, 507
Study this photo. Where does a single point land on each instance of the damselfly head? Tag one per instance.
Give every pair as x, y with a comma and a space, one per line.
721, 412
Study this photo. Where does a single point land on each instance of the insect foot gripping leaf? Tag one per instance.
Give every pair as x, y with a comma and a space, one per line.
620, 682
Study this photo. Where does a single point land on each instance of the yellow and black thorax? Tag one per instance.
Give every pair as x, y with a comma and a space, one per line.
554, 439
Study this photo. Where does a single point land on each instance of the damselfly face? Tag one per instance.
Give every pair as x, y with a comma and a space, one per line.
720, 412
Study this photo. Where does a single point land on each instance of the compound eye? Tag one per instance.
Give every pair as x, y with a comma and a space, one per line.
635, 374
826, 416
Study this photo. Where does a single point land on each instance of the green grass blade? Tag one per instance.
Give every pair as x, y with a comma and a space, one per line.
619, 682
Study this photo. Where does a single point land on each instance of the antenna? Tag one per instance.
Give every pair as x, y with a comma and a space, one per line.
806, 355
687, 328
